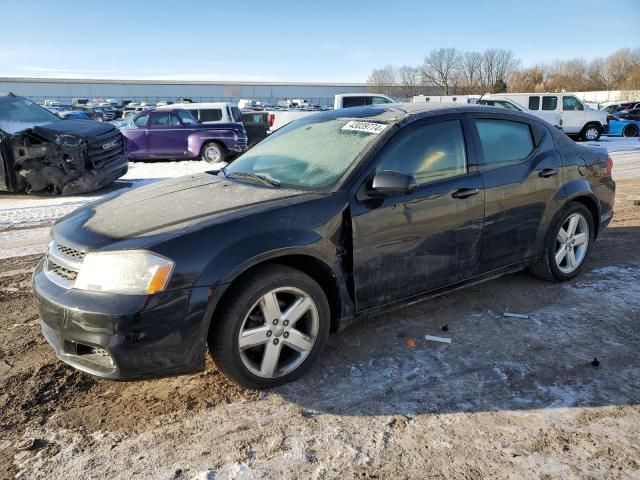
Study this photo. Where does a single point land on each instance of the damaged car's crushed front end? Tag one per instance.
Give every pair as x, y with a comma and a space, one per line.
40, 152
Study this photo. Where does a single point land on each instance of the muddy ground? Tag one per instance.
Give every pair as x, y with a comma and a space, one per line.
508, 398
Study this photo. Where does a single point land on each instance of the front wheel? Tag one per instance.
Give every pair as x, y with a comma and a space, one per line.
591, 133
630, 131
272, 329
567, 245
212, 152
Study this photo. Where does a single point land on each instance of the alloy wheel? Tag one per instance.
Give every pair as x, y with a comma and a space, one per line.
279, 332
572, 243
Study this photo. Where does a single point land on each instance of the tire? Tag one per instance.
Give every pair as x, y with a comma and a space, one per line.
591, 133
630, 131
212, 152
249, 366
547, 267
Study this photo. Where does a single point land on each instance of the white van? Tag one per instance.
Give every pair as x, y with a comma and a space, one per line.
577, 119
348, 100
553, 118
218, 112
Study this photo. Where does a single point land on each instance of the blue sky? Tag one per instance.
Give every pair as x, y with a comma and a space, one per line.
292, 40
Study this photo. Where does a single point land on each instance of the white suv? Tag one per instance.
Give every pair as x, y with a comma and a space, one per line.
577, 118
216, 112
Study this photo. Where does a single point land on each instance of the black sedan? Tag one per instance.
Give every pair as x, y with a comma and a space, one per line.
331, 218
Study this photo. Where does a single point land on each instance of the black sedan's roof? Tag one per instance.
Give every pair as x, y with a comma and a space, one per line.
403, 113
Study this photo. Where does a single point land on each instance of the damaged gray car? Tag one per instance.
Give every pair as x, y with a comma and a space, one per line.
39, 152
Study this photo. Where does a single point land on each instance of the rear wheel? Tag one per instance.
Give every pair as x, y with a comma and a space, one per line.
567, 245
272, 330
212, 152
591, 133
630, 131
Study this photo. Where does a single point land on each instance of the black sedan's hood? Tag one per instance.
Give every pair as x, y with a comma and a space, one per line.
168, 207
79, 128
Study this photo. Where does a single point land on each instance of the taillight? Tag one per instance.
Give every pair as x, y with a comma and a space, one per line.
609, 165
272, 119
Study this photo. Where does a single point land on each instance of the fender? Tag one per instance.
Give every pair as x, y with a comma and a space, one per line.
323, 244
580, 188
198, 138
247, 252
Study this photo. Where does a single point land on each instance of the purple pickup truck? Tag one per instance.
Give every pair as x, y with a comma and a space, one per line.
175, 134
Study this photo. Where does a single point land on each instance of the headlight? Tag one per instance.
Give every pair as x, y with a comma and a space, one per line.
68, 140
129, 272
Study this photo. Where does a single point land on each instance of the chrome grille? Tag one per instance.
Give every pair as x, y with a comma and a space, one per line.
60, 271
70, 252
63, 264
105, 148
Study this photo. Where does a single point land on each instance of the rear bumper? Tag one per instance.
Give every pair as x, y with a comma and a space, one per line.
605, 192
237, 147
123, 337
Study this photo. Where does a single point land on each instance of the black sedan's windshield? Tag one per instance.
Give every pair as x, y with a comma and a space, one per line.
17, 113
312, 153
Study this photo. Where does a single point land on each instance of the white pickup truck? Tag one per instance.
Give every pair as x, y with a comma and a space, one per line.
280, 118
577, 118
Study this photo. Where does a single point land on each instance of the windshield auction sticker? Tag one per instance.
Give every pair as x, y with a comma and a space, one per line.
367, 127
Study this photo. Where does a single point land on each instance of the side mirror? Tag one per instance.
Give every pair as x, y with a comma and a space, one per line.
392, 183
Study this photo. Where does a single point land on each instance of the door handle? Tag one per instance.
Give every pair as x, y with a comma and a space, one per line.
548, 172
465, 192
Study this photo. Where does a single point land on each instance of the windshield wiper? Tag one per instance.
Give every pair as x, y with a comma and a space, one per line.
253, 176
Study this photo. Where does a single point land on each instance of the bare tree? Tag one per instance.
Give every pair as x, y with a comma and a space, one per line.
497, 64
383, 80
595, 75
408, 78
440, 68
527, 80
617, 66
470, 70
493, 69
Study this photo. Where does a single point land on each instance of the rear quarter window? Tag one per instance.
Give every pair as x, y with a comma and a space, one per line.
210, 115
348, 102
504, 141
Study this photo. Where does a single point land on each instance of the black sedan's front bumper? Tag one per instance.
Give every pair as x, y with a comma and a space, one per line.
124, 337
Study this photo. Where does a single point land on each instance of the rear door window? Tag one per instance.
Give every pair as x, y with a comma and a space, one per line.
549, 103
504, 141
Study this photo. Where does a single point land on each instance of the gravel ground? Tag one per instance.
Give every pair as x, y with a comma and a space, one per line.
508, 398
